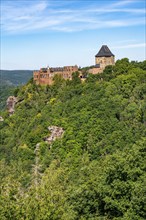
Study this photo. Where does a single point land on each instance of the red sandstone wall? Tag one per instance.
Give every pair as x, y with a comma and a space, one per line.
46, 78
95, 70
45, 81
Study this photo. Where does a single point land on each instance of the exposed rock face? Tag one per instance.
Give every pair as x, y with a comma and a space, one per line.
11, 101
56, 132
1, 118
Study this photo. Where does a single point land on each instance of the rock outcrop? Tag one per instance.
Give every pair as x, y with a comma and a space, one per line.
1, 118
56, 132
11, 101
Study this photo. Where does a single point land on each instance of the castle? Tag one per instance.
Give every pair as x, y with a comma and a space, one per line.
102, 59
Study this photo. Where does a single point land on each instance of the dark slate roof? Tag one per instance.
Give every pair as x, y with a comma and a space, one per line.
104, 52
97, 66
56, 69
44, 69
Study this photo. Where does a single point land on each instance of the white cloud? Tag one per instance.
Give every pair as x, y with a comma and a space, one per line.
129, 46
124, 2
41, 6
42, 15
124, 10
20, 18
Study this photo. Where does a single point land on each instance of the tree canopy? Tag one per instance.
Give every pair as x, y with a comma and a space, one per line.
97, 169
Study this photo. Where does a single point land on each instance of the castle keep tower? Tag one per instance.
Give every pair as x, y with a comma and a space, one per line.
104, 57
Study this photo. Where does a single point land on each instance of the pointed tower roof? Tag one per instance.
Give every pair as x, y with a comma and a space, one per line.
104, 52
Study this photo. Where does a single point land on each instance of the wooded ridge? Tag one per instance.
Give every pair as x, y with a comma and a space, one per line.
94, 166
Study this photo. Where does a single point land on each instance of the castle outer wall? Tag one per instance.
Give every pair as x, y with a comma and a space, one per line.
45, 75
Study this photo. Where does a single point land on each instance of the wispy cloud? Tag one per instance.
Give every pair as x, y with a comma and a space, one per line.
124, 2
128, 46
31, 16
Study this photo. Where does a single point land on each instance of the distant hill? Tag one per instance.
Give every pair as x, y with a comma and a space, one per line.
15, 77
9, 79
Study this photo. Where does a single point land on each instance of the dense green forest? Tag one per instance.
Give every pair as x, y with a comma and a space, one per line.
97, 170
9, 80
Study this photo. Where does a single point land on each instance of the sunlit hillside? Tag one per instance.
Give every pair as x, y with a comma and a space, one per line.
95, 168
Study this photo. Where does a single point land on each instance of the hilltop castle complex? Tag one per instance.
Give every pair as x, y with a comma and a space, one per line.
102, 59
45, 75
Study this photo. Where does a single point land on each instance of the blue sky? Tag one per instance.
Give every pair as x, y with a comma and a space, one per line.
38, 33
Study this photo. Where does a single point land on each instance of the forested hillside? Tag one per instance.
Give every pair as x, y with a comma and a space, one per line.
96, 170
